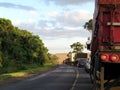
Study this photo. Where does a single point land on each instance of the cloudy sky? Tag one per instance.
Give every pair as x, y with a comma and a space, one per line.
59, 23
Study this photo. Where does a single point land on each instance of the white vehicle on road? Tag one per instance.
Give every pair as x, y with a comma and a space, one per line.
87, 66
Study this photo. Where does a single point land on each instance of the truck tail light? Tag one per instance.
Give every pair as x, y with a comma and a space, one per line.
104, 57
114, 58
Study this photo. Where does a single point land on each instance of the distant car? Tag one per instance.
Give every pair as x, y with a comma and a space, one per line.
81, 62
87, 66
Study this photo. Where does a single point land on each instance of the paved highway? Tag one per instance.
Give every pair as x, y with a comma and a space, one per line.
62, 78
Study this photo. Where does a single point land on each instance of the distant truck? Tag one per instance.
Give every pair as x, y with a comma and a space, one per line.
80, 59
105, 45
77, 59
72, 57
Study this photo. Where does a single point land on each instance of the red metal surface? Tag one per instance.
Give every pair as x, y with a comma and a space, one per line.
105, 45
106, 23
108, 1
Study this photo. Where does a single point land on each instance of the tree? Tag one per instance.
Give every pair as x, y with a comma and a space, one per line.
89, 25
19, 48
5, 25
53, 59
77, 47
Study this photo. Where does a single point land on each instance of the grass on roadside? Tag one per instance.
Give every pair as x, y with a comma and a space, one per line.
30, 69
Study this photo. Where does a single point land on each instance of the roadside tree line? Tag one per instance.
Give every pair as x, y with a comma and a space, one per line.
20, 48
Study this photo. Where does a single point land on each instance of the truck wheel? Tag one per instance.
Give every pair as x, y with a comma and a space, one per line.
91, 73
96, 85
96, 81
91, 76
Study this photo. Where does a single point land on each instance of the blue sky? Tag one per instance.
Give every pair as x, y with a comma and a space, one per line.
59, 23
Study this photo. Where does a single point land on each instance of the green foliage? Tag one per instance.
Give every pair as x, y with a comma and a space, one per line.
77, 47
30, 70
0, 59
5, 25
89, 25
53, 59
19, 48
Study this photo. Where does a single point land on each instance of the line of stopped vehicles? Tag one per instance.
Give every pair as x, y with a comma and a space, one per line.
104, 61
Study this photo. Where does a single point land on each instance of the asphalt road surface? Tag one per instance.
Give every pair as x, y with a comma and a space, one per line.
62, 78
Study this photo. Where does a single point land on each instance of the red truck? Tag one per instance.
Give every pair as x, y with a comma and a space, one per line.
105, 45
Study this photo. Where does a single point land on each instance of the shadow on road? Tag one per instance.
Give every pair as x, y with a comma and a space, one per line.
83, 82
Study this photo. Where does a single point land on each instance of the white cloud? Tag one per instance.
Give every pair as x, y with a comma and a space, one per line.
63, 44
29, 25
16, 6
67, 24
68, 2
58, 24
34, 13
16, 22
57, 33
53, 14
74, 18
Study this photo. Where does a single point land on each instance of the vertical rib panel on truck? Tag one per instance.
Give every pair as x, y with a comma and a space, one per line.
115, 24
111, 26
106, 24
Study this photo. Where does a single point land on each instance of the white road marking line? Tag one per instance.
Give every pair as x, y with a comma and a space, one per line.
67, 70
56, 70
77, 75
40, 76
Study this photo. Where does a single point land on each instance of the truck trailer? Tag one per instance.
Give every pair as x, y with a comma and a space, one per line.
105, 45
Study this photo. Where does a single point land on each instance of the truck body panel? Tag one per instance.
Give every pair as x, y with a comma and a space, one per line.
106, 23
105, 44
